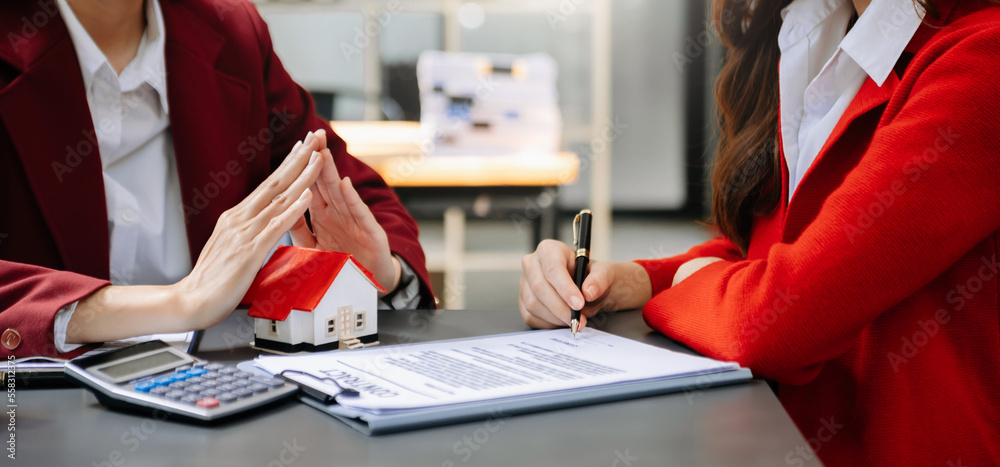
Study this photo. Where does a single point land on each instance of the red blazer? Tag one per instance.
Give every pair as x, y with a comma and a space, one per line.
872, 298
234, 114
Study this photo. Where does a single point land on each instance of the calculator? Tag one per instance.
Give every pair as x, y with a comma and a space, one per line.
156, 377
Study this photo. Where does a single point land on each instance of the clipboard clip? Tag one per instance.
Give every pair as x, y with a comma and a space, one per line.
318, 394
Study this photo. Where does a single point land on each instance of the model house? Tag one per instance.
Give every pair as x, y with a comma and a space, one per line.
313, 300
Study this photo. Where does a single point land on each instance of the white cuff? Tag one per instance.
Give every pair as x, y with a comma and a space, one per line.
59, 329
407, 294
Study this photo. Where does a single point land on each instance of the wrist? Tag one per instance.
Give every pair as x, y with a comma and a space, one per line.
397, 273
118, 312
632, 286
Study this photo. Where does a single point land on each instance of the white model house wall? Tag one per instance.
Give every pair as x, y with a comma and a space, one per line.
298, 327
351, 288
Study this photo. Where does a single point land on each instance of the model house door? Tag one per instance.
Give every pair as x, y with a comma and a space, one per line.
345, 322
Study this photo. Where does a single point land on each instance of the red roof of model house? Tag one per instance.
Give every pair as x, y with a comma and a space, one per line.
296, 278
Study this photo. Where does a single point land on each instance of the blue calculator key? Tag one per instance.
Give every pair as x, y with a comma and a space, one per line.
145, 386
163, 381
182, 376
243, 393
209, 393
159, 390
190, 399
197, 371
226, 397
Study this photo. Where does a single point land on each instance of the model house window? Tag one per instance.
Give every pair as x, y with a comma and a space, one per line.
331, 327
273, 327
359, 322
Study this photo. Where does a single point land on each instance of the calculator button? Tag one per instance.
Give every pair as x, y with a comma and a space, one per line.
145, 386
241, 383
196, 388
197, 371
176, 394
211, 374
243, 393
208, 402
226, 379
164, 380
183, 368
209, 393
242, 374
225, 388
190, 399
228, 371
258, 388
178, 385
159, 390
211, 383
227, 397
195, 380
214, 366
272, 382
181, 376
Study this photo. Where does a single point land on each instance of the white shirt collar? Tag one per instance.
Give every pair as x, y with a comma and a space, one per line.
149, 64
875, 42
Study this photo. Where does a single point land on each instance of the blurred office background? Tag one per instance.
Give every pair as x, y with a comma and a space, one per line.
662, 62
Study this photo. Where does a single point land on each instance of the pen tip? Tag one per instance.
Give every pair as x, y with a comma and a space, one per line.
574, 326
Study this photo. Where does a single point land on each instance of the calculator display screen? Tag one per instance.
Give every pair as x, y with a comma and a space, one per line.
139, 365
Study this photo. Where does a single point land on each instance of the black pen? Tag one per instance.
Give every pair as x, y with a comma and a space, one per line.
581, 241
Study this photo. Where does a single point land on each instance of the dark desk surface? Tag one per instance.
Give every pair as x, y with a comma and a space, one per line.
736, 425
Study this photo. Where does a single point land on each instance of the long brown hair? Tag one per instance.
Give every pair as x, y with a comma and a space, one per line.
747, 176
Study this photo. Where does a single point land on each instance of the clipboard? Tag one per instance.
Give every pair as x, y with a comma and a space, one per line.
400, 420
415, 419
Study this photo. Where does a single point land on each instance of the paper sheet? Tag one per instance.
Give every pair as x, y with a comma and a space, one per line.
451, 372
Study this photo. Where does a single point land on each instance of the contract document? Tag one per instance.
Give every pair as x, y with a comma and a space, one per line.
508, 368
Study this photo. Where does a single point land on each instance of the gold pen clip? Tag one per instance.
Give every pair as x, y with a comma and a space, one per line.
576, 232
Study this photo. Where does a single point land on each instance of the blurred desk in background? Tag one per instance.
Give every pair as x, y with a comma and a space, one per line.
521, 187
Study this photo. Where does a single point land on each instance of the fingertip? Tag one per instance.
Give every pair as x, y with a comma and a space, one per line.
576, 302
348, 187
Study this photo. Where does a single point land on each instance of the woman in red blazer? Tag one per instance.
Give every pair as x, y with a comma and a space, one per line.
234, 116
871, 297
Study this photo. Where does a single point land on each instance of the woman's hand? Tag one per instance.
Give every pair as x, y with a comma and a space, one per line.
342, 222
225, 269
548, 292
